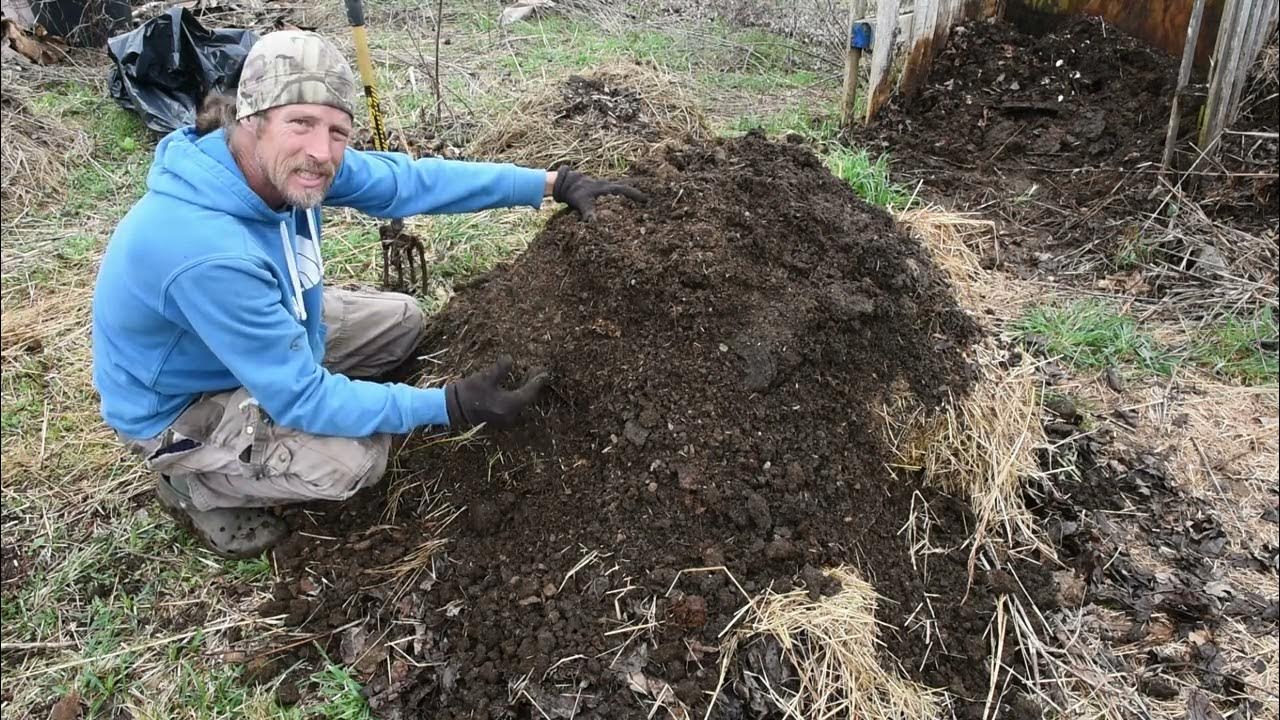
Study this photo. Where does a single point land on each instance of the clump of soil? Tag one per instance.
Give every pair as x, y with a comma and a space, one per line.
721, 359
1052, 134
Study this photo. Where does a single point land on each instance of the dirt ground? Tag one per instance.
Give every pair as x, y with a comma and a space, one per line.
1058, 137
1178, 585
720, 356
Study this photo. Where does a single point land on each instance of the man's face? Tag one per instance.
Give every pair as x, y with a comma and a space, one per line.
299, 149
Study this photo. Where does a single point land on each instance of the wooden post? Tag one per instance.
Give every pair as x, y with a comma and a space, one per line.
1184, 75
881, 55
852, 56
1227, 57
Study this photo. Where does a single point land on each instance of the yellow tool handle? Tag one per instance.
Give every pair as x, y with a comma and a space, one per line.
355, 16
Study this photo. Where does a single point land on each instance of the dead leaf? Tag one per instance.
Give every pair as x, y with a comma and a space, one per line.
68, 708
1200, 707
523, 10
661, 692
1220, 589
1200, 637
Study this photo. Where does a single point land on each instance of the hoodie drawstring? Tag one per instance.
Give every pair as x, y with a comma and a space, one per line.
315, 240
299, 309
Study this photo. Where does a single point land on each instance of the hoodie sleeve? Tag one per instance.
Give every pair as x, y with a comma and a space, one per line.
391, 185
234, 306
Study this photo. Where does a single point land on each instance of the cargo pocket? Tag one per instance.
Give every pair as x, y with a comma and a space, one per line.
256, 442
313, 467
194, 444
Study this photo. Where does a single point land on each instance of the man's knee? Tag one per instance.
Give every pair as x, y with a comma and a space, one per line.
414, 322
337, 468
371, 333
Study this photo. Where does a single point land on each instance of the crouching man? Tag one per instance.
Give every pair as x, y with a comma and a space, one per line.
219, 355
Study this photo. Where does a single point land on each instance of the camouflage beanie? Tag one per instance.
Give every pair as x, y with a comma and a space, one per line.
293, 66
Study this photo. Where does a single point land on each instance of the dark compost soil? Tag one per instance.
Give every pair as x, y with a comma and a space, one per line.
1056, 136
721, 356
597, 102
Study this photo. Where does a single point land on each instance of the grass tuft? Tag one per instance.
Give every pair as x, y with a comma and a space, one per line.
1242, 349
1090, 335
342, 699
817, 125
868, 177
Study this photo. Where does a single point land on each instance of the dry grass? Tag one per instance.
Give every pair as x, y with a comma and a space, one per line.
834, 646
605, 132
954, 240
1206, 269
35, 156
982, 447
1218, 440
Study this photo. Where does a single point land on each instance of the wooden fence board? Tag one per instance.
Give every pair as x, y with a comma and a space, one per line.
878, 86
1184, 76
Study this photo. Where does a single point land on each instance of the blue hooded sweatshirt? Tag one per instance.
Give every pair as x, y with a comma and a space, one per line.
204, 288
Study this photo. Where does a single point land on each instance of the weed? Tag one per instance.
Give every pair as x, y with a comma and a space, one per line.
341, 693
1132, 250
1027, 196
869, 178
1241, 349
1090, 335
249, 571
78, 246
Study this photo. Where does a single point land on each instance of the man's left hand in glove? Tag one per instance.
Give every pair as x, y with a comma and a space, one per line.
580, 191
480, 397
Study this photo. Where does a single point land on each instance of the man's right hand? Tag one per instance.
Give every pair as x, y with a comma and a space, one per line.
480, 398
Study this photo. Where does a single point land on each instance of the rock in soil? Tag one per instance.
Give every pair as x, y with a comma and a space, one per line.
731, 416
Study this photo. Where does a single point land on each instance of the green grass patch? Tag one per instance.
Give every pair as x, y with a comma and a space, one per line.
574, 44
869, 177
341, 695
819, 126
767, 82
1241, 349
456, 247
1090, 335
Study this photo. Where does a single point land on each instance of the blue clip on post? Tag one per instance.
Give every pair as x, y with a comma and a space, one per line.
860, 36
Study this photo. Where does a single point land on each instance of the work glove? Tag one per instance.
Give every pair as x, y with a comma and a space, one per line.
480, 398
580, 191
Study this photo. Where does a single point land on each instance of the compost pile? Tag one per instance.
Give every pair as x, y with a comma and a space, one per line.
1054, 134
721, 359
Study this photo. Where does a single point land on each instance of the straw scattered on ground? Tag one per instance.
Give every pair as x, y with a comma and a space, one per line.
599, 121
832, 644
35, 155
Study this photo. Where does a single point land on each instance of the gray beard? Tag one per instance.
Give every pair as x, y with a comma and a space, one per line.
305, 199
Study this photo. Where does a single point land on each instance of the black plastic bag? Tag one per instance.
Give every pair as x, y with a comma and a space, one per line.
164, 69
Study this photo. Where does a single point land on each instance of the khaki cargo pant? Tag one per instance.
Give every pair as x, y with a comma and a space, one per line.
234, 456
